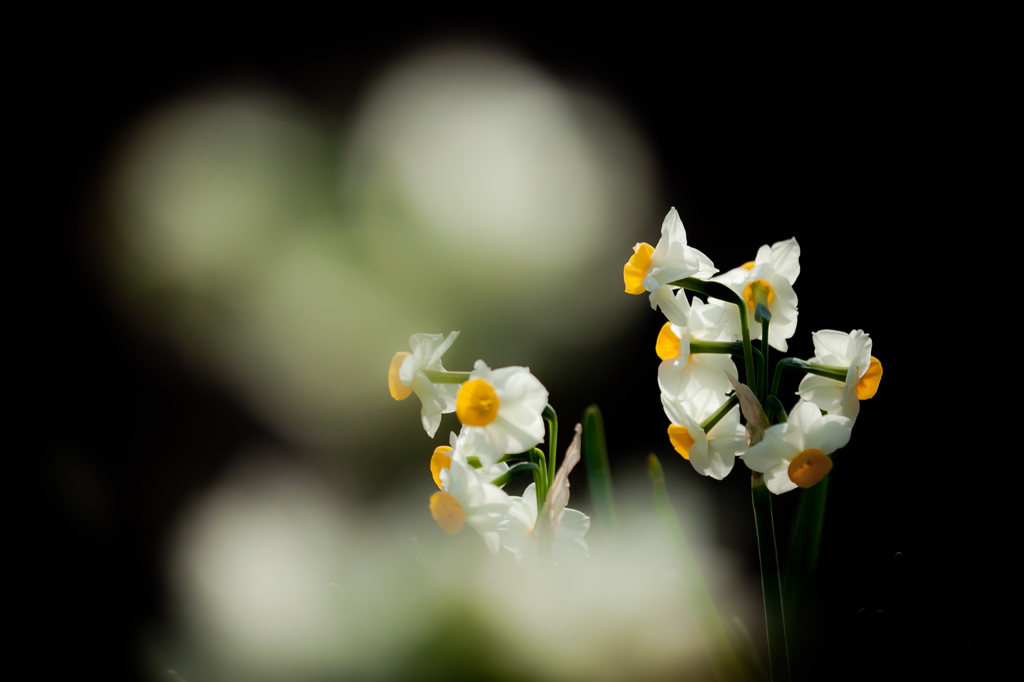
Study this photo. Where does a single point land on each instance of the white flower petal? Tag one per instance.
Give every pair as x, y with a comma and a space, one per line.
785, 258
777, 479
823, 392
830, 347
770, 451
833, 432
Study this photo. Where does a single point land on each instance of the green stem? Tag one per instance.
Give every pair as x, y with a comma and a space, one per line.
710, 422
827, 371
517, 470
721, 347
724, 663
724, 293
776, 411
439, 377
778, 656
599, 477
539, 477
830, 371
765, 321
551, 417
803, 559
515, 457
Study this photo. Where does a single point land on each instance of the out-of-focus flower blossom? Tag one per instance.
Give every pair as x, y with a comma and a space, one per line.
406, 376
464, 498
518, 530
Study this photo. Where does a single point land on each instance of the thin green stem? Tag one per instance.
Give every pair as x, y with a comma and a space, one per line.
724, 663
721, 347
778, 655
828, 371
716, 417
540, 476
765, 321
513, 472
551, 417
439, 377
515, 457
776, 412
724, 293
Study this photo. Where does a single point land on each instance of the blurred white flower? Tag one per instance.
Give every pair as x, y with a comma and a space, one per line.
466, 445
518, 530
464, 498
406, 376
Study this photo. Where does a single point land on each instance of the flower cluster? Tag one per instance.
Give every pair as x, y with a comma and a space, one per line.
697, 344
503, 413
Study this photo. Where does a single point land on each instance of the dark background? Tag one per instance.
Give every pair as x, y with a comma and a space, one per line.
838, 135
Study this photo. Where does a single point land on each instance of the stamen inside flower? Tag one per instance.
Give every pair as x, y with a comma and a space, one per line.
667, 345
439, 460
681, 440
809, 467
868, 384
758, 291
447, 512
634, 271
749, 265
399, 391
477, 403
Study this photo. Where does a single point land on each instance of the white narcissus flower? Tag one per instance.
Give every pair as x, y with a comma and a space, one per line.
518, 534
683, 376
653, 268
712, 453
464, 498
405, 377
504, 406
767, 279
466, 445
851, 352
795, 453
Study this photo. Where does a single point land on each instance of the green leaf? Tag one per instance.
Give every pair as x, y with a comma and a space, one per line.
710, 628
595, 451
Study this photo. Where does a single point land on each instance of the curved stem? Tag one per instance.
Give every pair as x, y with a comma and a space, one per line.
540, 475
518, 469
551, 417
439, 377
724, 293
